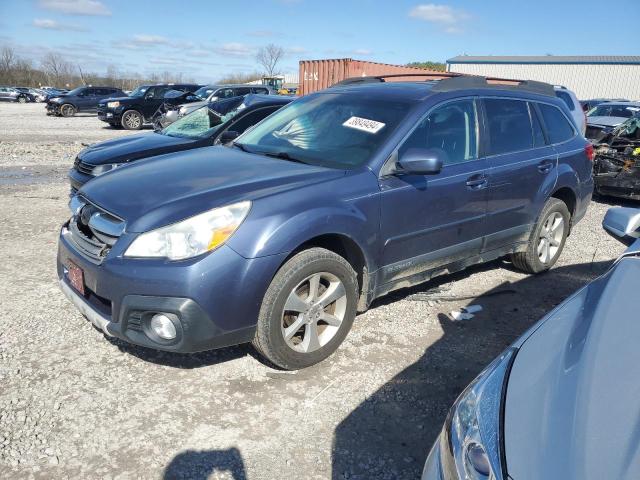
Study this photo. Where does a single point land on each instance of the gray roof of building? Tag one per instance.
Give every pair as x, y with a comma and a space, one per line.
550, 59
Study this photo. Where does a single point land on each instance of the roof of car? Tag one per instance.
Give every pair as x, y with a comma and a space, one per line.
617, 102
419, 90
255, 98
231, 85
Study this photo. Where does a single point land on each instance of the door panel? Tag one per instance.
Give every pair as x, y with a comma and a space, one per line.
431, 220
521, 174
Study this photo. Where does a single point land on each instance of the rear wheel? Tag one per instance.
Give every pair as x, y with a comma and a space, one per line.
22, 100
67, 110
307, 310
131, 120
547, 239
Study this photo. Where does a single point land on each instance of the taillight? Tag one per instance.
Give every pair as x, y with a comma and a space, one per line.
589, 152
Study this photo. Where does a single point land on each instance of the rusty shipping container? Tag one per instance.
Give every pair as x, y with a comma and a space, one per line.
319, 74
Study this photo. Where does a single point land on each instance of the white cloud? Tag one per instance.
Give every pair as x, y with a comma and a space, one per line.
143, 39
76, 7
445, 16
234, 49
49, 24
362, 51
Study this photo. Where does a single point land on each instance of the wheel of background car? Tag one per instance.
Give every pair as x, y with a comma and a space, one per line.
547, 239
131, 120
22, 99
67, 110
307, 310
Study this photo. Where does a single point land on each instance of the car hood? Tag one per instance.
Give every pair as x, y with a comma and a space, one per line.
194, 105
118, 99
572, 399
163, 190
606, 121
134, 147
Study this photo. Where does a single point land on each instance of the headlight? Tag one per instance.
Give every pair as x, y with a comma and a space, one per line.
191, 237
470, 442
100, 169
113, 104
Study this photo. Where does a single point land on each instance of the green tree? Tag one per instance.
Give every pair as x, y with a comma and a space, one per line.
437, 66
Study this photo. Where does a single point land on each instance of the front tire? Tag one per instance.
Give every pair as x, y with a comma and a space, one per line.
547, 239
22, 100
67, 110
307, 310
132, 120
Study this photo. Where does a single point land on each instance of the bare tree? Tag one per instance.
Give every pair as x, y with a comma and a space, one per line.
7, 59
57, 69
240, 77
268, 57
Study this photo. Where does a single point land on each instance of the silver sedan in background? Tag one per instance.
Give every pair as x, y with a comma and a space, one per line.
562, 402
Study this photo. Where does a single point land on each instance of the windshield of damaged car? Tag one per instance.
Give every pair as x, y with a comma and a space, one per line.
200, 123
204, 92
604, 110
139, 91
328, 129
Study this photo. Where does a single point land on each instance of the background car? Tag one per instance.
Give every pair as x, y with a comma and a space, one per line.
12, 94
213, 93
81, 99
589, 104
573, 104
133, 111
562, 400
609, 114
201, 128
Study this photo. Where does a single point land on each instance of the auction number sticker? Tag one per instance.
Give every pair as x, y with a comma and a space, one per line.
369, 126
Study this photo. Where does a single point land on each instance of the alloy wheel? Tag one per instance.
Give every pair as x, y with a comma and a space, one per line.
313, 312
132, 120
66, 110
550, 237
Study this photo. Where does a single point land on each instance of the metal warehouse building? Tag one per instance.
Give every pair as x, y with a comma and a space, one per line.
588, 76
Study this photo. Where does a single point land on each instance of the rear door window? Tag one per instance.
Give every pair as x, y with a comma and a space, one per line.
559, 129
450, 128
509, 125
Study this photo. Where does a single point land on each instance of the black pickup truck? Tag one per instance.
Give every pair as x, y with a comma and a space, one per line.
138, 108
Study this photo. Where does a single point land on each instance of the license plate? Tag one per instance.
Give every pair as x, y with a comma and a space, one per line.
76, 277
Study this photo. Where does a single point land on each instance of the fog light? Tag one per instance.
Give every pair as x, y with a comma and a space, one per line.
163, 326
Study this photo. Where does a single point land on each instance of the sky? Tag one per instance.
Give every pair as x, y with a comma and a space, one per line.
208, 39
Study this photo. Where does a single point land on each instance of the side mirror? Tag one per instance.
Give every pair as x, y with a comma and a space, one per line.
228, 136
422, 161
623, 224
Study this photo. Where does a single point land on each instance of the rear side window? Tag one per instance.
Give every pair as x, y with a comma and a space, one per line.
566, 98
260, 90
451, 128
558, 127
242, 91
251, 119
509, 125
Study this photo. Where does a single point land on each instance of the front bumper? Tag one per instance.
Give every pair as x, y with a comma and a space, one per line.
52, 108
432, 469
216, 298
109, 115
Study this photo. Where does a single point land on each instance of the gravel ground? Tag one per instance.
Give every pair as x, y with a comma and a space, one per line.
74, 404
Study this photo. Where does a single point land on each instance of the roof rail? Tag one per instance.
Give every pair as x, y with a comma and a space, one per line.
450, 81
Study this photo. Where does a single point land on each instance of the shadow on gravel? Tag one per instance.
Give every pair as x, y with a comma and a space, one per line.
184, 360
389, 434
200, 464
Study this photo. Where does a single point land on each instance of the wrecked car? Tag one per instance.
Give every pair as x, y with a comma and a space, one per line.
616, 167
608, 115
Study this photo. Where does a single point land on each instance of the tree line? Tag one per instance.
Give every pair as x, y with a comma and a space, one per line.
54, 70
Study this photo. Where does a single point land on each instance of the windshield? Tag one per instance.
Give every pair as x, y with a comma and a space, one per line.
607, 110
331, 130
204, 92
200, 123
139, 91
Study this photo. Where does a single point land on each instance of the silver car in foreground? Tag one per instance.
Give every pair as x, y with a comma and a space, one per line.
562, 402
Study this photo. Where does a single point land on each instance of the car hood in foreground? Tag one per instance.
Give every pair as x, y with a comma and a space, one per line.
134, 147
166, 189
606, 121
572, 408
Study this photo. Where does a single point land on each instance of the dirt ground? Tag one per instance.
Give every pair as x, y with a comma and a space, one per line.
74, 404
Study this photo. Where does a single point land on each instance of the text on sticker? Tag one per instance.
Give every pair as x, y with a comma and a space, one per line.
370, 126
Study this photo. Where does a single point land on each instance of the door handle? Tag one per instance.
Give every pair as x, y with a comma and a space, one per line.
545, 166
477, 182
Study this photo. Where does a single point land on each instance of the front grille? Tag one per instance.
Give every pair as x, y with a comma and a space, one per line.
83, 167
134, 322
92, 231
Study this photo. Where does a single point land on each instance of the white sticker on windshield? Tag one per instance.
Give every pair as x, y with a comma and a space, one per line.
369, 126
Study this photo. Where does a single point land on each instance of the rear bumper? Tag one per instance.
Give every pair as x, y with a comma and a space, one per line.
618, 184
582, 203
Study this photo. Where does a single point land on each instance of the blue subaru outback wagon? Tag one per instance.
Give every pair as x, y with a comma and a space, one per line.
338, 198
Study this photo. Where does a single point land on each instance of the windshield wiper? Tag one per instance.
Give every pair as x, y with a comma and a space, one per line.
283, 156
